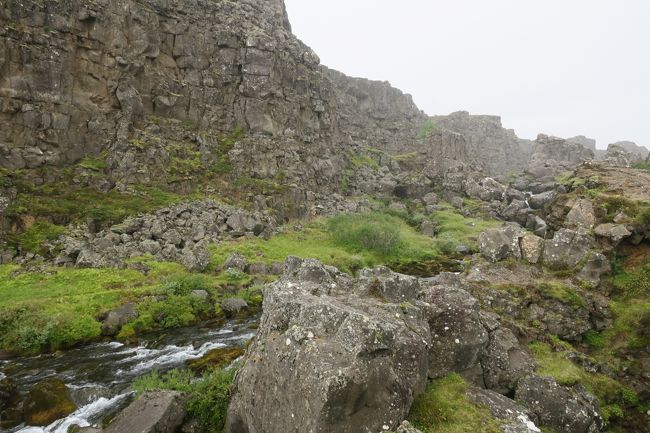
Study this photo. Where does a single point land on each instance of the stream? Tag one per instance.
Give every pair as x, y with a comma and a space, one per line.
99, 375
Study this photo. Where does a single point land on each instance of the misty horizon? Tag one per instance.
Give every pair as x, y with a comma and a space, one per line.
557, 69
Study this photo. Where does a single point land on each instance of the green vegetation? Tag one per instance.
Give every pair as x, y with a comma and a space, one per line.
562, 293
428, 128
457, 229
94, 163
642, 166
385, 236
60, 307
209, 394
32, 239
364, 161
614, 397
444, 408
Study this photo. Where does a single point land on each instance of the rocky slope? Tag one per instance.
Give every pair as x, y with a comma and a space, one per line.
128, 125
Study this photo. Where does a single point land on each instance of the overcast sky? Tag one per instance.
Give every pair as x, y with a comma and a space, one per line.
561, 67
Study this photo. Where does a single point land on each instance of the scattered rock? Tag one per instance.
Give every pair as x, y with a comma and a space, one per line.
581, 215
566, 249
531, 248
516, 418
596, 266
406, 427
614, 232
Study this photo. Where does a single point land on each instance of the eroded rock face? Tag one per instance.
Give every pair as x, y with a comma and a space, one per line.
552, 156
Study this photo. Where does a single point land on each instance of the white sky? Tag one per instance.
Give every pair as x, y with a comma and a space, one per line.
561, 67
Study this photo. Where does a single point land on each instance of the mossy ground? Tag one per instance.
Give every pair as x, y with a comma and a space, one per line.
444, 408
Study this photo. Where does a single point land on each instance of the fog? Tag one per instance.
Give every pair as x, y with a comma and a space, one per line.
559, 67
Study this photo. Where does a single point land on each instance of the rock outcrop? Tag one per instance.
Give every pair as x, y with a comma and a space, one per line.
552, 156
346, 354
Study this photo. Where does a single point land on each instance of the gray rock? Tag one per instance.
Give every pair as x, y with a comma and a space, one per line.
501, 243
566, 410
406, 427
154, 412
566, 249
458, 336
430, 199
516, 418
427, 228
236, 261
614, 232
538, 201
383, 283
195, 259
581, 215
200, 294
233, 306
258, 269
351, 364
596, 266
504, 362
531, 248
117, 318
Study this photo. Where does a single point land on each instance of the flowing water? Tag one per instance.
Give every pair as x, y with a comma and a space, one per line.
99, 376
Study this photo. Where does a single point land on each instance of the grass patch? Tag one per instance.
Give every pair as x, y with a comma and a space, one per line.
209, 394
642, 166
444, 408
456, 229
60, 307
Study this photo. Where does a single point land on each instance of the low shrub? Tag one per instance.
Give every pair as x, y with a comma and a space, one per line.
209, 394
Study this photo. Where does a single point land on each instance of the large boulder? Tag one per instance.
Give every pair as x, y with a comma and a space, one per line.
615, 233
154, 412
501, 243
564, 409
328, 360
567, 249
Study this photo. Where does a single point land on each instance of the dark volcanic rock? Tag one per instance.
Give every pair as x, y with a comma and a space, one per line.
46, 402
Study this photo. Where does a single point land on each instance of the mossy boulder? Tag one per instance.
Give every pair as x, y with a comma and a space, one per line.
215, 359
46, 402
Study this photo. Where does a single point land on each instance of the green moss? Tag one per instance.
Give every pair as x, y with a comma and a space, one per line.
209, 394
456, 229
562, 293
444, 408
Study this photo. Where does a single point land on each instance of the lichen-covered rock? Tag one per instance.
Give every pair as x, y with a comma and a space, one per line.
504, 362
179, 233
564, 409
566, 249
501, 243
458, 336
596, 266
325, 360
613, 232
236, 261
46, 402
231, 307
581, 215
531, 248
516, 418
